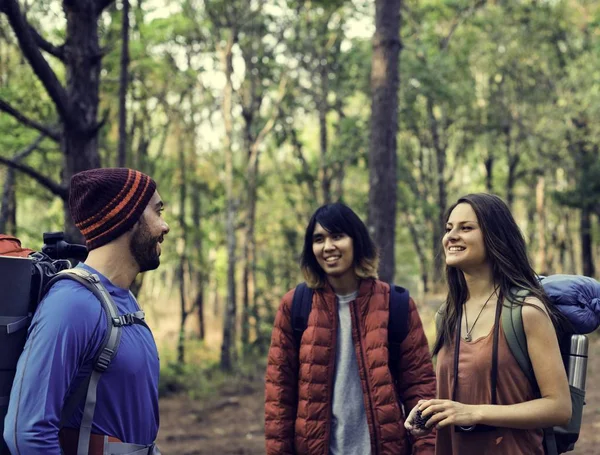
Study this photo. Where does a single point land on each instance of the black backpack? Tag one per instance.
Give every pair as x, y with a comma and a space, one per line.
23, 284
397, 323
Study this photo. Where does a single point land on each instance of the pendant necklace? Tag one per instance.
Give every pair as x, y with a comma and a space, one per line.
469, 331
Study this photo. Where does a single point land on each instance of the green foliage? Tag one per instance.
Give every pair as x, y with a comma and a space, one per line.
500, 94
201, 381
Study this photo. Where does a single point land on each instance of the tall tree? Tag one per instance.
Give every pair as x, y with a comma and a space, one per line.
77, 102
229, 340
384, 127
123, 83
8, 205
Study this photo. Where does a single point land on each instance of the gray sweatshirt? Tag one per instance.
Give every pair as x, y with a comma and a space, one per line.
350, 431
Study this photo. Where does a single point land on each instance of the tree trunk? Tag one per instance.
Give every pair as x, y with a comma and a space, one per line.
571, 235
513, 162
585, 232
339, 170
489, 172
9, 208
442, 196
198, 246
182, 250
230, 313
83, 62
339, 175
414, 233
384, 127
540, 209
250, 255
123, 83
323, 106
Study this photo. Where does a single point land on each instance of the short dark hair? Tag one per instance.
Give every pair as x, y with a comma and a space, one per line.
339, 218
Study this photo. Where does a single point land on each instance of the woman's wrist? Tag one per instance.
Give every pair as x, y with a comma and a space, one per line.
478, 412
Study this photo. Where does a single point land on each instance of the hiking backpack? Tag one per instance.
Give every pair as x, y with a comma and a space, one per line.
23, 282
578, 299
397, 322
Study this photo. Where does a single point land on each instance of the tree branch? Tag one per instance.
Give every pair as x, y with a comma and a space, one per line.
54, 135
57, 51
101, 5
37, 61
270, 122
54, 187
462, 17
27, 150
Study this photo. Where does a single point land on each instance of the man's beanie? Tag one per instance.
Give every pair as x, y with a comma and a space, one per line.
106, 203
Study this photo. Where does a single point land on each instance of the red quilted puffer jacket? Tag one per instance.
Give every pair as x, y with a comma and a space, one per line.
298, 398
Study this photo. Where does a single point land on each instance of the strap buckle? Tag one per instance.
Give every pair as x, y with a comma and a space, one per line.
104, 360
126, 319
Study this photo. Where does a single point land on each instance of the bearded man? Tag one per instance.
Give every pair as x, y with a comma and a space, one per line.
119, 212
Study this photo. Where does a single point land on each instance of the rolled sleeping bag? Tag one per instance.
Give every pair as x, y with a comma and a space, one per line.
577, 297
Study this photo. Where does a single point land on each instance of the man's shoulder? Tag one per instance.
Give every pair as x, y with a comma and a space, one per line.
68, 297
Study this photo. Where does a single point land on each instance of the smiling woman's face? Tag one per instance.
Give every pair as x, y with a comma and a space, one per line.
334, 251
463, 241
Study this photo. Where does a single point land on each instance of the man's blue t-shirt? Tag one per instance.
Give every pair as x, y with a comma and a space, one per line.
65, 335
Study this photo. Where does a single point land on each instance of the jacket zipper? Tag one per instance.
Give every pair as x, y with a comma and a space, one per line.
354, 312
331, 376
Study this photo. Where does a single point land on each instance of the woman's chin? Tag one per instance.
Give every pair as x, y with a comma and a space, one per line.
455, 264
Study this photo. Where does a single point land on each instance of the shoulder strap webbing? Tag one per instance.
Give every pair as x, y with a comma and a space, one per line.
106, 353
398, 322
514, 332
301, 306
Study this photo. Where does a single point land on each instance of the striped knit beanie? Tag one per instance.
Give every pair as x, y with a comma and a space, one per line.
105, 203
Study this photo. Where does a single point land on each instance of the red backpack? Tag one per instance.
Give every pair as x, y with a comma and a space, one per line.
11, 246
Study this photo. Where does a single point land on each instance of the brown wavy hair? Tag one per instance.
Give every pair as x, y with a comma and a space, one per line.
338, 218
507, 253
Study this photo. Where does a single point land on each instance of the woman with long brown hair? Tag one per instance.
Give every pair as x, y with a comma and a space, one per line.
485, 403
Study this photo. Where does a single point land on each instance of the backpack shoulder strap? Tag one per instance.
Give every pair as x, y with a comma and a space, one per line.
514, 332
106, 353
397, 325
398, 320
301, 306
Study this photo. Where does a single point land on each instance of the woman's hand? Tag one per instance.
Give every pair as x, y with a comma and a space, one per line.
447, 412
410, 423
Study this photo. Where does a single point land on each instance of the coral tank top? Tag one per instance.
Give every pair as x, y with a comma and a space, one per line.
474, 387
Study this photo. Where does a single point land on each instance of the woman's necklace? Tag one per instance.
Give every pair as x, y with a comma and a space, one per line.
469, 331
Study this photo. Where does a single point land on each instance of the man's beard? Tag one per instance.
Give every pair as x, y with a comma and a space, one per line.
143, 247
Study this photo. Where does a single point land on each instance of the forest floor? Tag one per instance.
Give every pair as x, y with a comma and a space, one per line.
232, 422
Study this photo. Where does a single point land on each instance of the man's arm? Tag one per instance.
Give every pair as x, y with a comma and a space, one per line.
281, 384
65, 333
416, 378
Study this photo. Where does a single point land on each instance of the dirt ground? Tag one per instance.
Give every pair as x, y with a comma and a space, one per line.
233, 425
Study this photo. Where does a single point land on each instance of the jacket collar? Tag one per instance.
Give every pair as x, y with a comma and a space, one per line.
365, 288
